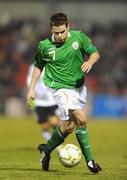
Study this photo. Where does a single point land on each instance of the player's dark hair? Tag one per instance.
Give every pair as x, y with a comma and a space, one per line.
58, 19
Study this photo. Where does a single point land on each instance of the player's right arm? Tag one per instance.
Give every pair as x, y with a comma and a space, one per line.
38, 67
35, 76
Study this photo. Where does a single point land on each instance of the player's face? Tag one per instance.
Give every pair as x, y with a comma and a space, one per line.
60, 33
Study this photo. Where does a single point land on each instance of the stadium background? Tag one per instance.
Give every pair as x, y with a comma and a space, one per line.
22, 25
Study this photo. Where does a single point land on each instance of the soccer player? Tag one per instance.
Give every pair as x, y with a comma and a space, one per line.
62, 55
45, 106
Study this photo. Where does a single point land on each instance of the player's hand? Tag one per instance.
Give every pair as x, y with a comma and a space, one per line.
30, 99
86, 66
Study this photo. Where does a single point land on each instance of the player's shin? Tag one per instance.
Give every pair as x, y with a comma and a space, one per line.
56, 139
83, 139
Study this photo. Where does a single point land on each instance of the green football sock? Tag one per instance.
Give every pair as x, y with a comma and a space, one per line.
56, 139
83, 139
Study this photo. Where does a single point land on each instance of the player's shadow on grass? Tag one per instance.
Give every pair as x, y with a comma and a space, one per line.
69, 172
51, 171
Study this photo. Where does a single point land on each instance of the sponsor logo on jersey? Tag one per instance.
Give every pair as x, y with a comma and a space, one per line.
75, 45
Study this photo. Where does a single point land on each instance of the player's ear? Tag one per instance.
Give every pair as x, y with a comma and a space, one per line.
68, 27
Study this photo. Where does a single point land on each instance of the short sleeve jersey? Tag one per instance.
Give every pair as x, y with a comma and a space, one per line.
63, 61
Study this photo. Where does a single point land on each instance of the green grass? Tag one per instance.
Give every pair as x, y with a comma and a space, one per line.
19, 158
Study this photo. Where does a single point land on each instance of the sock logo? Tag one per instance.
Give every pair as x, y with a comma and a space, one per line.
90, 164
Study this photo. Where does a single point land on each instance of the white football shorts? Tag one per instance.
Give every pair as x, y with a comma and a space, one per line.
69, 99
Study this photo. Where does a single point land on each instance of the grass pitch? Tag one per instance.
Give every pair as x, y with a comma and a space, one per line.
19, 158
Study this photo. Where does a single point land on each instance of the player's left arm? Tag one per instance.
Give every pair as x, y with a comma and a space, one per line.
91, 51
87, 65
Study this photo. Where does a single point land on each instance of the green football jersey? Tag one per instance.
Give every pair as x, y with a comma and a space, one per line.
63, 61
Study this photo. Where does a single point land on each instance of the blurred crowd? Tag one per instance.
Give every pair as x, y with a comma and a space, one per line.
18, 41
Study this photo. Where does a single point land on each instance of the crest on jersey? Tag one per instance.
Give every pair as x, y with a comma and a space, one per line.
75, 45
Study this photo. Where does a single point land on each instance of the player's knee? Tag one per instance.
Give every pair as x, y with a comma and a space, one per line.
79, 117
70, 127
82, 121
45, 126
53, 121
67, 127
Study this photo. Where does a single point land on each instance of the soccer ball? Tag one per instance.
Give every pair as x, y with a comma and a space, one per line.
69, 155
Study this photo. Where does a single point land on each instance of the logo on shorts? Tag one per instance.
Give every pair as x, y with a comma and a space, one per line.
75, 45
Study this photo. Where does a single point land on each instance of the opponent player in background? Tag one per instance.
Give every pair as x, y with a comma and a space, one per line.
45, 106
62, 55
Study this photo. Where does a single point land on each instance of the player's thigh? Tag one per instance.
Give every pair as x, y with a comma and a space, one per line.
79, 116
